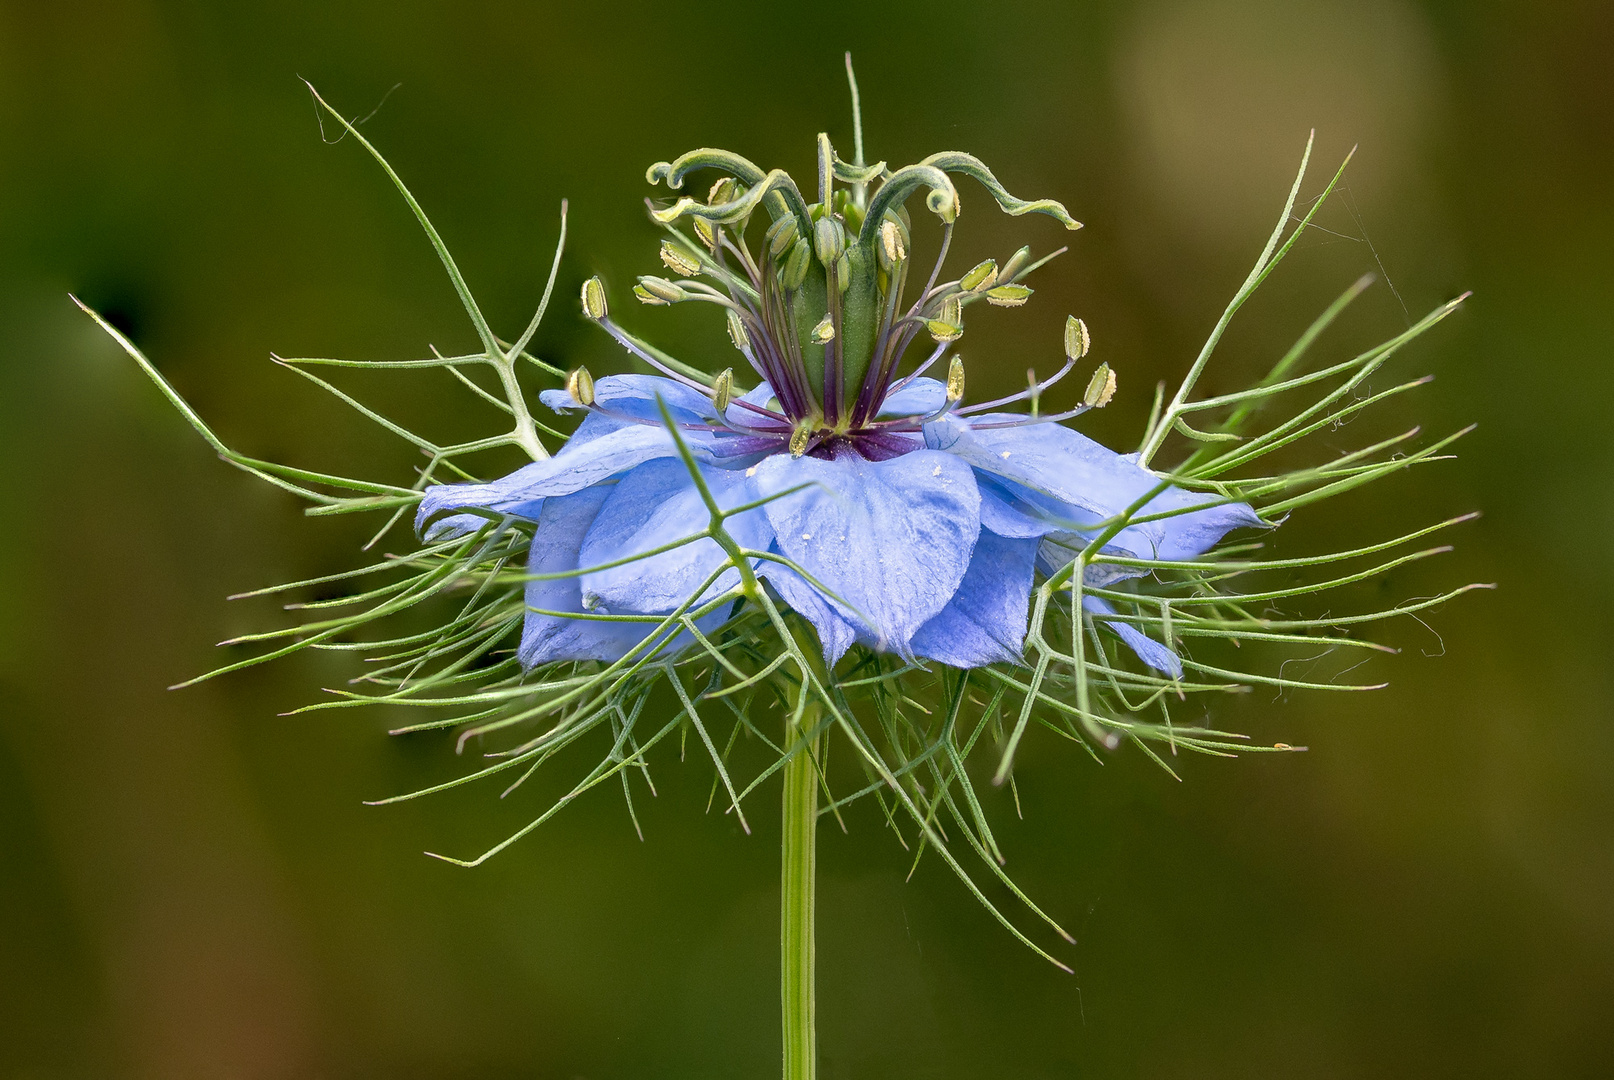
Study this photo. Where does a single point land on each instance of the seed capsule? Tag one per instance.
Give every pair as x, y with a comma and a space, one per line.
1100, 388
955, 380
737, 334
983, 277
1008, 295
1077, 340
723, 389
825, 330
580, 384
678, 260
594, 299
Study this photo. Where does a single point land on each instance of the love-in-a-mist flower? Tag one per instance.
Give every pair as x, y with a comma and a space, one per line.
879, 505
966, 567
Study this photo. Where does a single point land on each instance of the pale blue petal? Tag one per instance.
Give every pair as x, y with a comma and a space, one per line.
889, 539
578, 465
594, 425
835, 634
1149, 650
985, 622
762, 396
1086, 484
455, 525
921, 397
1007, 514
635, 396
1062, 547
656, 504
547, 638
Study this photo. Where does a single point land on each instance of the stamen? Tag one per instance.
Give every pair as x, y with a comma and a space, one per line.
580, 384
1034, 390
1100, 388
916, 372
743, 253
885, 357
779, 336
627, 342
955, 381
594, 299
678, 260
1047, 418
981, 278
941, 257
1077, 340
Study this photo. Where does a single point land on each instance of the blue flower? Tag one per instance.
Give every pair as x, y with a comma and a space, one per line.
926, 548
882, 510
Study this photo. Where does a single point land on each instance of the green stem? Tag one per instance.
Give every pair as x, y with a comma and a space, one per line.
798, 880
526, 432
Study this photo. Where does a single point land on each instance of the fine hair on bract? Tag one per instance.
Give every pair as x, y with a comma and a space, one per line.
1116, 643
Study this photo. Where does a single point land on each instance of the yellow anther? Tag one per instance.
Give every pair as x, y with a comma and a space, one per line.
1100, 388
1008, 295
580, 385
891, 244
594, 299
737, 334
678, 260
981, 278
1077, 340
723, 389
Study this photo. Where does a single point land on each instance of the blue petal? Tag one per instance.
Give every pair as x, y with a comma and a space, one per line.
547, 638
1063, 547
985, 622
1086, 483
889, 539
578, 465
921, 397
656, 504
835, 634
1005, 513
1149, 650
635, 396
762, 396
1011, 510
456, 525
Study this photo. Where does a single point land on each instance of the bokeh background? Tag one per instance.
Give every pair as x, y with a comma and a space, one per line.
189, 884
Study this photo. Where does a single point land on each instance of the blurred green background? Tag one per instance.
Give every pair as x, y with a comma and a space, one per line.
189, 884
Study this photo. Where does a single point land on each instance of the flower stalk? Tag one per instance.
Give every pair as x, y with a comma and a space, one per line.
798, 882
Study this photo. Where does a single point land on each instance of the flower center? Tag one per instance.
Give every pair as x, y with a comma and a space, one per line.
822, 303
